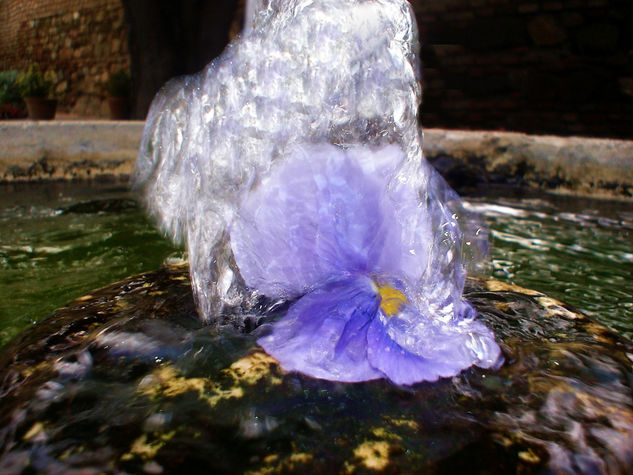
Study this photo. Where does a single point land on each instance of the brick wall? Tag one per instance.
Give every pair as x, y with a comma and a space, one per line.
551, 66
82, 41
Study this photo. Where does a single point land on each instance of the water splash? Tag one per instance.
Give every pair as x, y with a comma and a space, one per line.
342, 73
292, 167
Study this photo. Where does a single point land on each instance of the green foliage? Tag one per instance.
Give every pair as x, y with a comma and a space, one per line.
33, 83
11, 103
9, 90
118, 84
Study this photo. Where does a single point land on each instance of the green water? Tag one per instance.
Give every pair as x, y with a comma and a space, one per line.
48, 257
577, 250
580, 251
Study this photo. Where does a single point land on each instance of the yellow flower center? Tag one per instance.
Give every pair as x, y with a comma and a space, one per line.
391, 300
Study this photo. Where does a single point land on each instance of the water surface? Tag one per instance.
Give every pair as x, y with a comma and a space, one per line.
575, 249
60, 241
49, 256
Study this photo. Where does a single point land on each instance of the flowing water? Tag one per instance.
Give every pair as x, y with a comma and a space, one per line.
58, 242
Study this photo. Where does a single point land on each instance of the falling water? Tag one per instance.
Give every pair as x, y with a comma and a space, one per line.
304, 72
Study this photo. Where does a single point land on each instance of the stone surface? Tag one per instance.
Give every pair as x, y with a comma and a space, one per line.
126, 380
34, 151
592, 167
546, 46
545, 32
65, 37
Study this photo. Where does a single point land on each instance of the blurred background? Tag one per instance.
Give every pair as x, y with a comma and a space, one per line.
539, 66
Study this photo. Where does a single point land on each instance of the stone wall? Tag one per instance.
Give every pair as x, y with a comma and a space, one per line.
82, 41
540, 66
550, 66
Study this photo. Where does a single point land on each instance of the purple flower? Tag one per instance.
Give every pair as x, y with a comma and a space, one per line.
348, 235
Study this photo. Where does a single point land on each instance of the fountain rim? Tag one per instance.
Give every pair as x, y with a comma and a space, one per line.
42, 151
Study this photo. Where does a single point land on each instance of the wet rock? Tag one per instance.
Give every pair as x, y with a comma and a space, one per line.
112, 205
127, 380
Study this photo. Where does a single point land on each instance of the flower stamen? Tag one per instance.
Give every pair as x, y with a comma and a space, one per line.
391, 300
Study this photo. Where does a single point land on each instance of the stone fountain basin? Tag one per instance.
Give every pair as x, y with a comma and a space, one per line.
36, 151
127, 380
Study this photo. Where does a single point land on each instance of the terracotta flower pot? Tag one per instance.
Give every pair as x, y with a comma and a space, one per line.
119, 108
41, 108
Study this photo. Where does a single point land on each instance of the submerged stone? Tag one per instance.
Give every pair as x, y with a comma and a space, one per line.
112, 205
127, 380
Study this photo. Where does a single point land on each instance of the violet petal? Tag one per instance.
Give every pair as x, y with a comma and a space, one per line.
316, 217
410, 348
324, 334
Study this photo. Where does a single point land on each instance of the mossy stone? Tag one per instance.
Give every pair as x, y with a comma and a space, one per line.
127, 380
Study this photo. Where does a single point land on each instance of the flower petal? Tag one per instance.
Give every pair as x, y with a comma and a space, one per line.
324, 334
410, 348
400, 365
316, 217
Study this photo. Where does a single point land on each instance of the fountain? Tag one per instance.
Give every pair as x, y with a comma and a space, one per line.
276, 140
212, 162
307, 72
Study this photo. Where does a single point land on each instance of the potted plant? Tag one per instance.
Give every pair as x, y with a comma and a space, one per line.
118, 88
36, 89
11, 104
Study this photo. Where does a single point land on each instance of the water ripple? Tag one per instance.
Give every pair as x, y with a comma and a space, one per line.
583, 256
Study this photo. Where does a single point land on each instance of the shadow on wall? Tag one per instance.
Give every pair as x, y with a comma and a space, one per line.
561, 67
168, 39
